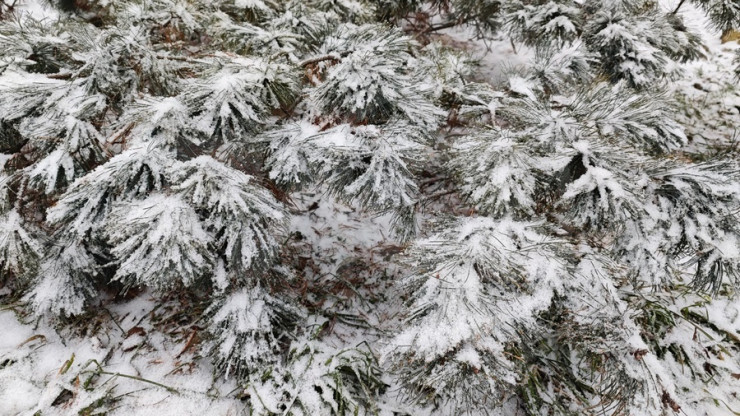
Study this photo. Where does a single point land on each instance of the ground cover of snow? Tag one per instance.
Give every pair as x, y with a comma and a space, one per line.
140, 355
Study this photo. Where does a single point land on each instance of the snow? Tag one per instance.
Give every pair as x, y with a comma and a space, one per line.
496, 56
160, 241
167, 108
251, 315
521, 86
336, 232
34, 377
129, 340
708, 92
560, 22
38, 10
14, 332
47, 170
17, 396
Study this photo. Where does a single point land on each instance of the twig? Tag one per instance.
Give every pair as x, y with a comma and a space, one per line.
452, 23
430, 181
182, 58
64, 75
108, 373
168, 388
680, 3
437, 195
114, 320
189, 343
441, 26
328, 57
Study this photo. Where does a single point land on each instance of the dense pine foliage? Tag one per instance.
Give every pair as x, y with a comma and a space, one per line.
155, 145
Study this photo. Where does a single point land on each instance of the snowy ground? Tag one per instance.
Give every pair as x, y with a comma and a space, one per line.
42, 370
140, 356
709, 94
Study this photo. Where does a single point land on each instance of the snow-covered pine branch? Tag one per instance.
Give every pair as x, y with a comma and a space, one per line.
319, 379
233, 104
246, 218
724, 15
498, 173
19, 250
375, 80
544, 22
236, 152
159, 242
472, 284
249, 329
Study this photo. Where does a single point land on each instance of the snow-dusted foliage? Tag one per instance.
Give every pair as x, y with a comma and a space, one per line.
19, 251
699, 206
65, 284
250, 328
365, 165
109, 142
611, 32
376, 115
159, 243
347, 216
373, 80
634, 40
318, 379
55, 119
128, 176
242, 214
545, 22
723, 14
587, 345
484, 15
37, 45
234, 103
473, 283
504, 178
